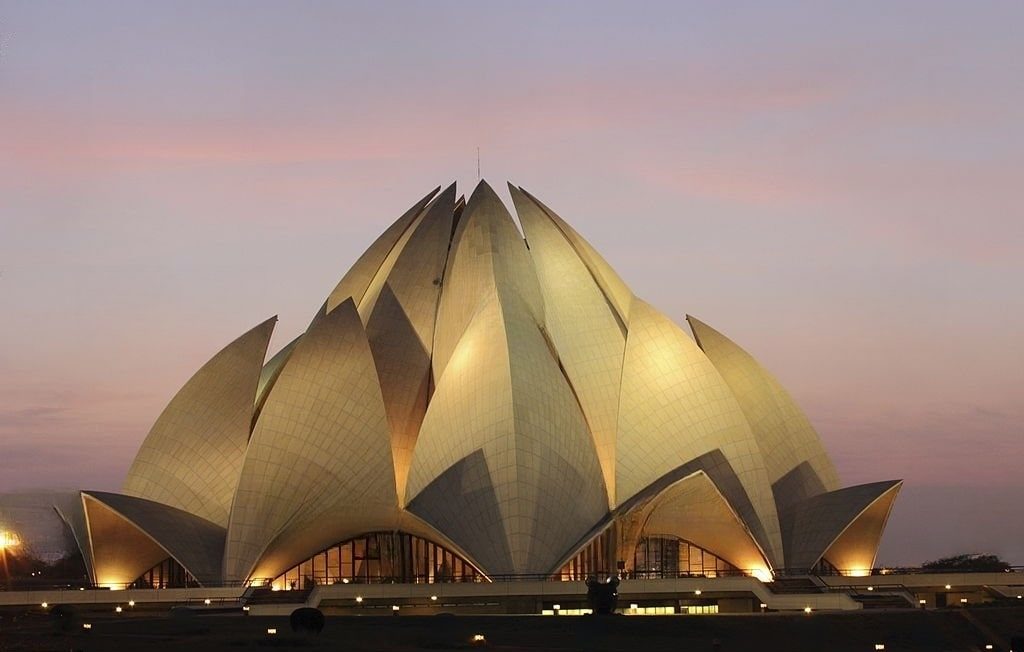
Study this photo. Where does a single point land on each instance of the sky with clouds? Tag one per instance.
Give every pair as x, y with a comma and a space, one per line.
834, 185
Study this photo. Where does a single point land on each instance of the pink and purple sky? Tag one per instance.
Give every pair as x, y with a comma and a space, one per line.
836, 186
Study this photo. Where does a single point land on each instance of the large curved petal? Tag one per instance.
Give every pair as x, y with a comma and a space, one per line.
675, 407
129, 535
589, 338
193, 454
320, 447
784, 436
504, 448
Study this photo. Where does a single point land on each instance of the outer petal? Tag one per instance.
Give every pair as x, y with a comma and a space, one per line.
193, 454
785, 437
318, 467
844, 527
675, 407
695, 510
131, 535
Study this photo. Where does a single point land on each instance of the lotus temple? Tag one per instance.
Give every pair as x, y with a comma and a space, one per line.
480, 415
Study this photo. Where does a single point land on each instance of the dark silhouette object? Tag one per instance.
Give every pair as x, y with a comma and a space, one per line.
968, 563
63, 617
603, 595
307, 620
185, 620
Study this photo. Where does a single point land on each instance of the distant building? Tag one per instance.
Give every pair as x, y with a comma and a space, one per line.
469, 404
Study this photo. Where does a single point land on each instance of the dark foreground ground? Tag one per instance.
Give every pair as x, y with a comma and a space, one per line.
934, 631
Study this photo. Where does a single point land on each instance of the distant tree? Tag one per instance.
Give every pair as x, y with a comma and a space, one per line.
968, 562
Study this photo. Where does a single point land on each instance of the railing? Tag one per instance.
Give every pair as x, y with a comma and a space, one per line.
34, 584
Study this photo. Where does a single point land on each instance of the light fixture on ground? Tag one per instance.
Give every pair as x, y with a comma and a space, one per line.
8, 539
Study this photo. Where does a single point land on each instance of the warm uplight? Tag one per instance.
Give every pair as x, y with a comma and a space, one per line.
923, 602
556, 607
344, 580
44, 605
478, 638
807, 610
948, 587
963, 600
879, 646
131, 603
359, 598
433, 598
8, 539
762, 574
245, 608
697, 592
206, 601
118, 609
988, 646
871, 588
764, 605
86, 625
395, 607
271, 631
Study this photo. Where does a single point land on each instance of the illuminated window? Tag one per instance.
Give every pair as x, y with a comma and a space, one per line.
659, 556
168, 574
592, 561
379, 557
